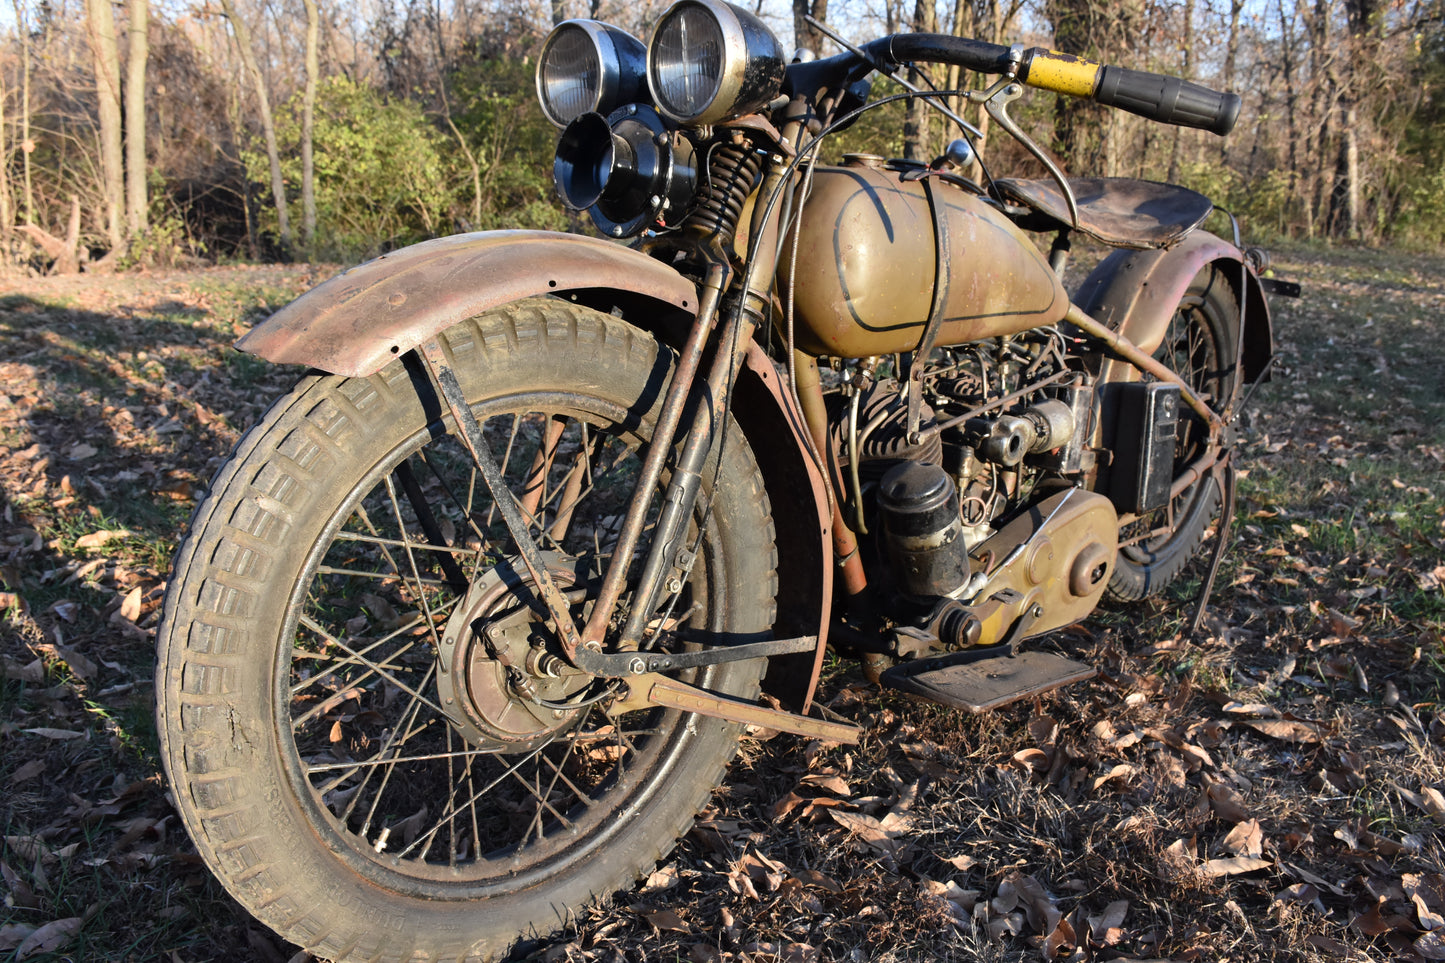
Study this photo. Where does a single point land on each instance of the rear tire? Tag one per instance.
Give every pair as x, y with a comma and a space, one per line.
316, 623
1199, 345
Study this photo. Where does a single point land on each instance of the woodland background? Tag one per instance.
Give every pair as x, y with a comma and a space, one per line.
173, 131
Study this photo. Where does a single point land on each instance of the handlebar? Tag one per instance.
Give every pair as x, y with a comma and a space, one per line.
1158, 97
1168, 100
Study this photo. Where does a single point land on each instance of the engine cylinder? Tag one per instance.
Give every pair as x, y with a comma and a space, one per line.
922, 531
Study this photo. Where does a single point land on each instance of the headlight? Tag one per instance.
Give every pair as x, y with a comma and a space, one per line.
710, 61
588, 65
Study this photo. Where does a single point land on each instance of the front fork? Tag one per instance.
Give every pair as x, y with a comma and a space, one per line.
669, 559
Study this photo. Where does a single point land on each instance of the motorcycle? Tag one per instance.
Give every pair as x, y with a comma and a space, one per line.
471, 623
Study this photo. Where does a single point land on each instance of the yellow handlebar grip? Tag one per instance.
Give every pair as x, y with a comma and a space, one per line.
1060, 72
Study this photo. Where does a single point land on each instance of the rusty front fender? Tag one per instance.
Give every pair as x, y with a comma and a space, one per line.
1136, 292
359, 320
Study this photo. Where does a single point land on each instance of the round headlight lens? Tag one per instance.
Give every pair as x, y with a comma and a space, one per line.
569, 74
687, 60
711, 61
586, 66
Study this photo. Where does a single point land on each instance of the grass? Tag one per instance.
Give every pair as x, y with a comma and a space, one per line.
121, 396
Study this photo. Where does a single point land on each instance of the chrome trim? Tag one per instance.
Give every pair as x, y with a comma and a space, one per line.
619, 68
734, 66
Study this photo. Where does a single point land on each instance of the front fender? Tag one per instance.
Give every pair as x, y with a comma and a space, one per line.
359, 320
1136, 292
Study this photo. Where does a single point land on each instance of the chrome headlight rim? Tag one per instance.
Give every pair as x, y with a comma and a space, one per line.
752, 67
622, 68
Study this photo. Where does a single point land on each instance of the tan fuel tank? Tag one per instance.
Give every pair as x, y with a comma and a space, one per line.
863, 283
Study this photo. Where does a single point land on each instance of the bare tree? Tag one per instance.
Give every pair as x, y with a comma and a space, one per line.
308, 126
101, 24
804, 34
135, 118
268, 119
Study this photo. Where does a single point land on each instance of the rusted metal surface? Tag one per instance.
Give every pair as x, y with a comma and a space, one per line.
359, 320
1136, 293
1119, 211
656, 690
1134, 355
802, 518
864, 276
619, 664
678, 389
1058, 556
987, 683
471, 435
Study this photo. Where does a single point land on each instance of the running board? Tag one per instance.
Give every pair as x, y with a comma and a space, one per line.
964, 681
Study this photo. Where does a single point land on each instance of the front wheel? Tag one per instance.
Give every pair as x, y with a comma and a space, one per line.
1199, 346
370, 740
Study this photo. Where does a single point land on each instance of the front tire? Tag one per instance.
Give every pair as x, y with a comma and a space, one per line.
317, 640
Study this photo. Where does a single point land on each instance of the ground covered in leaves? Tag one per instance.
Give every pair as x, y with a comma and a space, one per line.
1268, 790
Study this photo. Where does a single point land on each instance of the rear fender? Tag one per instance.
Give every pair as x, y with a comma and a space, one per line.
357, 322
1135, 293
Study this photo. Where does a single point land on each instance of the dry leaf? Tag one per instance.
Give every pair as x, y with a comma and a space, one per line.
662, 879
1034, 760
1233, 865
1121, 771
13, 934
49, 733
829, 783
1245, 839
1225, 803
1304, 893
1111, 919
962, 863
130, 606
49, 938
29, 770
101, 538
1289, 730
666, 919
868, 830
1431, 946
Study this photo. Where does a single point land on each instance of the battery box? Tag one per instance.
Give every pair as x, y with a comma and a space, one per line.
1145, 432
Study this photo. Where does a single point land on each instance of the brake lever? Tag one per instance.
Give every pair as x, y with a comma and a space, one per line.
995, 100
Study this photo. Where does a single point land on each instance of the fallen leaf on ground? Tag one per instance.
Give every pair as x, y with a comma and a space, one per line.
49, 938
101, 538
666, 919
1245, 839
1288, 730
1233, 865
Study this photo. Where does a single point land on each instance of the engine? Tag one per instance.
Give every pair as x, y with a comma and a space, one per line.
1002, 423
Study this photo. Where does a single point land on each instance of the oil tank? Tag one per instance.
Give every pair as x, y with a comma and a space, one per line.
863, 282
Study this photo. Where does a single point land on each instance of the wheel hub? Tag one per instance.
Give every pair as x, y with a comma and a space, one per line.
499, 685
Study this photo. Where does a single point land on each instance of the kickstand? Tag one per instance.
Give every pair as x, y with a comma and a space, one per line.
1224, 474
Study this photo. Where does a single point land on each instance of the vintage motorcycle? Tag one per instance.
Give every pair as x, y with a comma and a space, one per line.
471, 623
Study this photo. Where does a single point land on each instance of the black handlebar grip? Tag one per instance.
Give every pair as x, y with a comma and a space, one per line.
1168, 100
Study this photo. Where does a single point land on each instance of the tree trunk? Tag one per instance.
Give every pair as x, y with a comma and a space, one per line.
107, 88
803, 34
136, 203
26, 145
268, 122
1231, 57
308, 127
916, 137
1188, 74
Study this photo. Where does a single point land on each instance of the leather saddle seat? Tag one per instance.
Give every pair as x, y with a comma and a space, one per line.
1118, 211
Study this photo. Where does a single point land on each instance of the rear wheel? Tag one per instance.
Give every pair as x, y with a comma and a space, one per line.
1200, 346
372, 739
